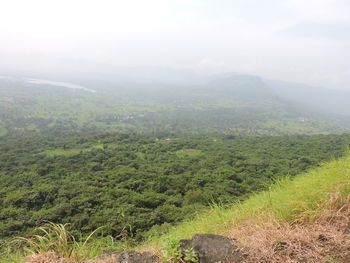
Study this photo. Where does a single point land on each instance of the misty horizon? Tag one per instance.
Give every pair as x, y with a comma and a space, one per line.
293, 40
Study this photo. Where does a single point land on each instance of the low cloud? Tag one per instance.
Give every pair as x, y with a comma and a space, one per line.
294, 40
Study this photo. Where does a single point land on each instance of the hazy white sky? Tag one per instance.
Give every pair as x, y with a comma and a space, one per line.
300, 40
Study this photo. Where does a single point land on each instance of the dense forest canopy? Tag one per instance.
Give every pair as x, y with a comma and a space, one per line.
133, 183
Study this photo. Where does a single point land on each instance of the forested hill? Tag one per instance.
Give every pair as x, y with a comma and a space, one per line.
139, 183
228, 103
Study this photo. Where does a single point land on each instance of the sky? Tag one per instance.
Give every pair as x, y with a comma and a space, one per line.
304, 41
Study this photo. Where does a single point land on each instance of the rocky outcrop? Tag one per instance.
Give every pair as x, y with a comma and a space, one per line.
212, 248
202, 248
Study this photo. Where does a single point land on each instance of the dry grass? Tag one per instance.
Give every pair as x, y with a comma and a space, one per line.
46, 257
318, 239
52, 257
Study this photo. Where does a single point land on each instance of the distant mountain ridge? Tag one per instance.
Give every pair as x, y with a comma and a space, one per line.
327, 100
229, 103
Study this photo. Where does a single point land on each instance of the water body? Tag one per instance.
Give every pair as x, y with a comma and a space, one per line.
59, 84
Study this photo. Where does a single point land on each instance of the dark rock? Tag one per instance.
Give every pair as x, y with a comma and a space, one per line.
212, 248
135, 257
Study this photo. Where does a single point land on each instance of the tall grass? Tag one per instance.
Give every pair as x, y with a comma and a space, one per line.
56, 238
290, 199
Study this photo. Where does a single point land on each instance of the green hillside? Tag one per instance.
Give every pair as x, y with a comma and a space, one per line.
307, 201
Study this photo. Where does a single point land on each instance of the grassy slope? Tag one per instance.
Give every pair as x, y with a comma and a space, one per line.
288, 200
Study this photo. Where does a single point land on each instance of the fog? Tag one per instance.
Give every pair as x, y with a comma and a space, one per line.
291, 40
